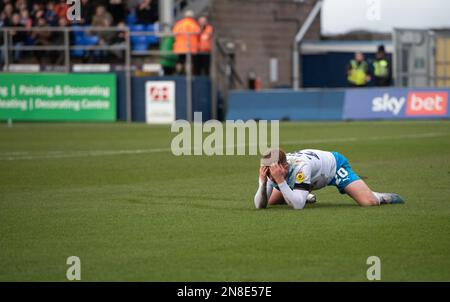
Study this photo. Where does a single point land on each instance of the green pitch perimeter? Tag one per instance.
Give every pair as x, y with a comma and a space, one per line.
114, 196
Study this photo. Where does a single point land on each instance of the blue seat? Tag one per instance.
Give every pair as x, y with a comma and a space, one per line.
138, 39
84, 41
139, 47
152, 40
137, 27
78, 31
77, 53
89, 40
130, 19
139, 43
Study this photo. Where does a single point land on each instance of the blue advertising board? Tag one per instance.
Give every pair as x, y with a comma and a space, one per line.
396, 103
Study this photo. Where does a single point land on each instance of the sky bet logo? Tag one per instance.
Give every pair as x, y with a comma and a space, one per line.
387, 103
419, 104
427, 103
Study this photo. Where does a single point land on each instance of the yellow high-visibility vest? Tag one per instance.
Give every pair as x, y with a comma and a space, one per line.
358, 73
381, 68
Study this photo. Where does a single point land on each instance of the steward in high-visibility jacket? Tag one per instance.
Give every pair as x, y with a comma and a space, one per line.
203, 58
381, 68
358, 71
186, 33
206, 39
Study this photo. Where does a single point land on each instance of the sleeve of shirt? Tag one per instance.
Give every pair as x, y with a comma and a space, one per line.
294, 198
303, 178
262, 195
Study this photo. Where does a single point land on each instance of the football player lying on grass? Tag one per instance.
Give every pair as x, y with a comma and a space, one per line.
295, 175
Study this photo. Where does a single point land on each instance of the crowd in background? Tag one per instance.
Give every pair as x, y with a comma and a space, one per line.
32, 13
49, 13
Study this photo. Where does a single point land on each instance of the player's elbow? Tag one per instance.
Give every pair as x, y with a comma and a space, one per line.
260, 206
298, 204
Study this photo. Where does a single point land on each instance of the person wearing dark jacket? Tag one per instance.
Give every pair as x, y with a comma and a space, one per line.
147, 12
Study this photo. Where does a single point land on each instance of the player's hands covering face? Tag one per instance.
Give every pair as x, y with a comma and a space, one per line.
278, 173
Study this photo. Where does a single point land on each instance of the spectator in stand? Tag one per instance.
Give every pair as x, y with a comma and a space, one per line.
61, 8
25, 19
168, 59
203, 58
34, 9
105, 37
7, 14
20, 4
3, 3
87, 10
102, 18
38, 14
59, 39
100, 15
118, 9
119, 38
41, 38
50, 15
186, 33
17, 37
147, 12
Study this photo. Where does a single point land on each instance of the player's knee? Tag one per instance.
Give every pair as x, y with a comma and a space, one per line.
368, 202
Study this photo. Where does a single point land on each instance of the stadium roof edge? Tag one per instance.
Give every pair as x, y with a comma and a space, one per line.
310, 47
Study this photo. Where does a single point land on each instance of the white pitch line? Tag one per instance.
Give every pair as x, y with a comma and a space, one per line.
74, 154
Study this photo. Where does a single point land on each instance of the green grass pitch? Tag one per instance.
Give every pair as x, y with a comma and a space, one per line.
113, 195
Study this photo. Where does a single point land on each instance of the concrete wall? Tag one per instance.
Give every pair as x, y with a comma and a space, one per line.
261, 36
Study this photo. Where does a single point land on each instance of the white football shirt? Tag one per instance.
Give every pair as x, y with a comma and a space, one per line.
311, 167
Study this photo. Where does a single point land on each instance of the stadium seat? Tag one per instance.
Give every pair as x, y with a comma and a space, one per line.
152, 39
138, 39
137, 27
90, 40
84, 41
131, 19
78, 31
140, 47
78, 53
139, 43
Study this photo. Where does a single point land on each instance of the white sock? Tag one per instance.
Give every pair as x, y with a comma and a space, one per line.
379, 197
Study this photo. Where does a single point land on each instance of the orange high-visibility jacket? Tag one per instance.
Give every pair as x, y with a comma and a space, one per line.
206, 37
186, 33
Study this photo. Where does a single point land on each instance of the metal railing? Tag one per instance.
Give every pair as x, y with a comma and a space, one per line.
7, 47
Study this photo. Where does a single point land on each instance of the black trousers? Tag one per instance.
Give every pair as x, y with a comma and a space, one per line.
382, 82
202, 64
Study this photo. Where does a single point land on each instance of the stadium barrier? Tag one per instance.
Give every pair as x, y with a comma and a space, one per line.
57, 97
97, 97
340, 104
79, 41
